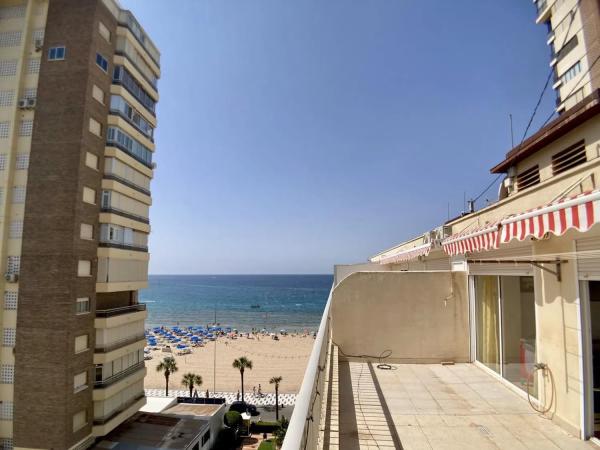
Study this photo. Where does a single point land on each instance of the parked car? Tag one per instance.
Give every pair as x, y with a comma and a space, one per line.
243, 407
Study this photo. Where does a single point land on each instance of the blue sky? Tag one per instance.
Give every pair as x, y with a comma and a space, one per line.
294, 135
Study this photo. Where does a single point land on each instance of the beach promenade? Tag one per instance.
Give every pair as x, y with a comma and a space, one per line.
285, 357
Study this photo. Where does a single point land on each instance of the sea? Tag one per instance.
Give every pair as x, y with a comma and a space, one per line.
244, 302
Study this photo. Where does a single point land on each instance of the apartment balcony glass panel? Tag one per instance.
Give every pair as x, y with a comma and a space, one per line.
118, 138
115, 202
120, 107
124, 78
126, 49
122, 237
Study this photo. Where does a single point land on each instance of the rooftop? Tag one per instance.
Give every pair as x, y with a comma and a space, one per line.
152, 431
193, 409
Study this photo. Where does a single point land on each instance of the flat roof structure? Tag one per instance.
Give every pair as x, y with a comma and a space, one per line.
146, 431
193, 409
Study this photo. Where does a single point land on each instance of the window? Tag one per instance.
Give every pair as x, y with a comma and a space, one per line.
89, 195
91, 161
9, 336
104, 31
30, 93
18, 194
123, 77
6, 444
82, 305
8, 68
13, 264
7, 373
33, 65
38, 35
22, 161
12, 12
10, 300
205, 438
79, 420
3, 158
571, 72
84, 268
6, 410
26, 128
16, 229
86, 232
568, 158
98, 94
80, 382
81, 343
528, 178
102, 62
95, 127
120, 106
4, 129
56, 53
10, 39
105, 199
7, 98
118, 138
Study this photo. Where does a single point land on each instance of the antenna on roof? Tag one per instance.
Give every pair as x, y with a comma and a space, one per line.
512, 136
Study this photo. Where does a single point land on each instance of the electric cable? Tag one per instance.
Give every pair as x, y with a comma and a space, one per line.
544, 368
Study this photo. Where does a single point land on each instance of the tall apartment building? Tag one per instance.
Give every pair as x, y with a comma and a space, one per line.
574, 40
78, 90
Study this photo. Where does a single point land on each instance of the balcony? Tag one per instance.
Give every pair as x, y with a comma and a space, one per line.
128, 20
104, 313
413, 323
119, 376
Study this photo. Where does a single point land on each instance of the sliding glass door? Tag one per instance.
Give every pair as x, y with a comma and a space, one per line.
505, 327
488, 321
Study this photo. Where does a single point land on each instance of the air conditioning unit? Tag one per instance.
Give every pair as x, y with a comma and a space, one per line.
154, 165
23, 103
31, 102
437, 235
11, 277
38, 44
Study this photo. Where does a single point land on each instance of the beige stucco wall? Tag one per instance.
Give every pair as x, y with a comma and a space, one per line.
419, 316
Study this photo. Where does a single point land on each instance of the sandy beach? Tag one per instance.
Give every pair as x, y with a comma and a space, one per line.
286, 357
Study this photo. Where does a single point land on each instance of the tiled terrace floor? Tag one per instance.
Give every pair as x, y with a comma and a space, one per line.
429, 406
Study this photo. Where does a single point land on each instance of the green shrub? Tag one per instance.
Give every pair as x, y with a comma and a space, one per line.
233, 419
263, 427
266, 445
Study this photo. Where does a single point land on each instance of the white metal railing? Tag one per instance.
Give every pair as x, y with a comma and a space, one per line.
303, 429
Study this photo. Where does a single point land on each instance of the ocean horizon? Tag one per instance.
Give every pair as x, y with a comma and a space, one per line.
274, 302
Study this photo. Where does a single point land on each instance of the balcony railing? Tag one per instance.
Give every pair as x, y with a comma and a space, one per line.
118, 344
120, 212
123, 407
102, 313
127, 19
119, 376
303, 430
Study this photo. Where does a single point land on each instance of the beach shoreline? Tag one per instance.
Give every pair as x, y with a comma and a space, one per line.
286, 357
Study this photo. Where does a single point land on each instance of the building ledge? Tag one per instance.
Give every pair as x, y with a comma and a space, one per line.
106, 427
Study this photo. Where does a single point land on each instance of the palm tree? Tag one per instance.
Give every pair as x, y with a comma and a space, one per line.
276, 381
167, 366
241, 364
190, 380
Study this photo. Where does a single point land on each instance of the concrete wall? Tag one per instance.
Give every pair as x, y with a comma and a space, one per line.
419, 316
341, 271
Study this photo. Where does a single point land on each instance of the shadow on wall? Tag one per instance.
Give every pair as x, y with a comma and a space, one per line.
421, 317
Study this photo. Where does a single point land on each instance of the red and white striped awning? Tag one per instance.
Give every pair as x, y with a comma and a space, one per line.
474, 240
580, 213
394, 257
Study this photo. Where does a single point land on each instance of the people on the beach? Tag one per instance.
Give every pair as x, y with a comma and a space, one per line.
260, 394
237, 397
